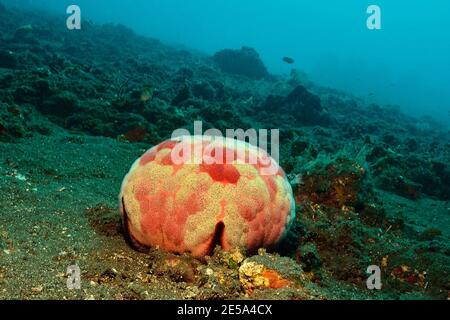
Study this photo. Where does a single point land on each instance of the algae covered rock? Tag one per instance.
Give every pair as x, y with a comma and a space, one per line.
61, 104
7, 59
245, 62
23, 32
301, 104
20, 121
266, 271
340, 184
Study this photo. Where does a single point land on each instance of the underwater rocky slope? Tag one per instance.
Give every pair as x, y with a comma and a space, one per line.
372, 185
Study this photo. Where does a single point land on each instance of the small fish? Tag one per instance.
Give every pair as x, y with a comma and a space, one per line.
288, 60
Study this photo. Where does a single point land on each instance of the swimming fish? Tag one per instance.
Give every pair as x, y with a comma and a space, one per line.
288, 60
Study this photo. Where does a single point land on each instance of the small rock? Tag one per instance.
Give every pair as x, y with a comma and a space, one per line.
245, 61
191, 292
38, 289
256, 276
23, 31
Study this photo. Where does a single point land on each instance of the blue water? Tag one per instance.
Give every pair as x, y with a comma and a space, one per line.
407, 62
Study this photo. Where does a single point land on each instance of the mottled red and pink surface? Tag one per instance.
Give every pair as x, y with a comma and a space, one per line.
191, 207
